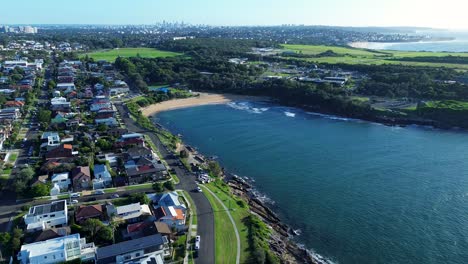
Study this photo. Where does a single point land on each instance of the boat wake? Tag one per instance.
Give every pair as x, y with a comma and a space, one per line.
290, 114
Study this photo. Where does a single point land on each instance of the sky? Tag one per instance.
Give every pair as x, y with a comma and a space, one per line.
449, 14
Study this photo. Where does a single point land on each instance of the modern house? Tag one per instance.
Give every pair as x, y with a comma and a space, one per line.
111, 121
130, 212
150, 249
174, 218
50, 140
102, 177
62, 180
57, 250
46, 216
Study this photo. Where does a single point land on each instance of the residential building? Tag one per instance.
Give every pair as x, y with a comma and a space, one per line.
111, 121
86, 212
50, 140
45, 216
173, 217
130, 212
102, 177
57, 250
62, 180
61, 151
150, 249
81, 177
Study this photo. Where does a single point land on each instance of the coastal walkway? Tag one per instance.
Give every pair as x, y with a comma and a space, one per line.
232, 221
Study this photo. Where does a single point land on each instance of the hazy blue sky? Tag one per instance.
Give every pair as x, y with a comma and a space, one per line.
432, 13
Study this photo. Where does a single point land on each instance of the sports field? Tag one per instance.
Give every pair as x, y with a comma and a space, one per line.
111, 55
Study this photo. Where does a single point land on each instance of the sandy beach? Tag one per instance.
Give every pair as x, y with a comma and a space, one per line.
201, 99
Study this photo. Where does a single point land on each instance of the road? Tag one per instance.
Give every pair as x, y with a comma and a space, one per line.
205, 228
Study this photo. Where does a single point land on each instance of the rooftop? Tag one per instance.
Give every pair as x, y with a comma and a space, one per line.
48, 208
130, 246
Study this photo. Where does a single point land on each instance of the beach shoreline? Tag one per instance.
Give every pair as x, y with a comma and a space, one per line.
198, 100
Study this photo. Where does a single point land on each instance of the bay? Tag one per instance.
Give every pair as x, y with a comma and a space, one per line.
360, 192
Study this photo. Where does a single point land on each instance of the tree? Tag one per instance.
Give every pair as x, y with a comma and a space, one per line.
169, 185
102, 127
40, 190
184, 154
158, 187
104, 144
139, 198
106, 233
26, 174
92, 227
215, 168
44, 116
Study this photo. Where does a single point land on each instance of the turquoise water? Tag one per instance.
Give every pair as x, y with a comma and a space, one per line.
360, 192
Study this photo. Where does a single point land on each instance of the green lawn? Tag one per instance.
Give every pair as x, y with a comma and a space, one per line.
448, 104
141, 186
12, 158
111, 55
223, 227
192, 207
369, 57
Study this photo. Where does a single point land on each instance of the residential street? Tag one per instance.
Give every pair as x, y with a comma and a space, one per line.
205, 215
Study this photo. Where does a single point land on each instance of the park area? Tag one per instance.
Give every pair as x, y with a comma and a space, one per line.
112, 54
348, 55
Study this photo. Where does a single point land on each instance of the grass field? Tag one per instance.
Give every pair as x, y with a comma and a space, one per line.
111, 55
369, 57
224, 234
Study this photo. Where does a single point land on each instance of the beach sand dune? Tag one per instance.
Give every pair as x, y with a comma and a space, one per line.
199, 99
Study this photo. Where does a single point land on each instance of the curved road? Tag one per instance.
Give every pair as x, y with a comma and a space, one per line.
205, 228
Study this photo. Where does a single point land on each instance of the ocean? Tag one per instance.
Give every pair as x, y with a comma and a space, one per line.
459, 44
360, 192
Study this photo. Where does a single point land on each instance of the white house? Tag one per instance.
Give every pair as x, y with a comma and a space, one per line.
57, 250
111, 121
62, 180
102, 177
45, 216
119, 90
66, 86
129, 212
50, 140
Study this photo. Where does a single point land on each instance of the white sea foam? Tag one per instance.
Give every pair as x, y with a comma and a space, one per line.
332, 117
245, 106
317, 257
290, 114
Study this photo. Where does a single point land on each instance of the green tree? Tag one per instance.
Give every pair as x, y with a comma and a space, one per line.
40, 190
139, 198
44, 116
92, 227
215, 168
169, 185
158, 187
184, 154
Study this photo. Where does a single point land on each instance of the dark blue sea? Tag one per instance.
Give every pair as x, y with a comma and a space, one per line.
360, 192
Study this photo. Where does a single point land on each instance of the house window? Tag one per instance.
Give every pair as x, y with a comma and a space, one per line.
52, 215
137, 255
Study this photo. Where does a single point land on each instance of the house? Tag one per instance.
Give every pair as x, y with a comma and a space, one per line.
119, 90
163, 229
65, 86
59, 118
42, 179
86, 212
102, 177
173, 217
81, 177
109, 157
62, 151
62, 180
60, 103
130, 212
149, 249
47, 234
10, 114
116, 132
45, 216
140, 152
111, 121
14, 104
50, 140
57, 250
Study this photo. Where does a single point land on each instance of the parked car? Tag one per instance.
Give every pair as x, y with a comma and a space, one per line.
75, 195
99, 192
115, 195
197, 245
199, 189
74, 201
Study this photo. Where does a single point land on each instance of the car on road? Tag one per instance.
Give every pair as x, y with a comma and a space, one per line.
74, 201
199, 189
75, 195
197, 239
99, 192
115, 195
197, 245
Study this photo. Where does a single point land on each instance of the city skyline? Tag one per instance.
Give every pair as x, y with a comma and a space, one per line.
360, 13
